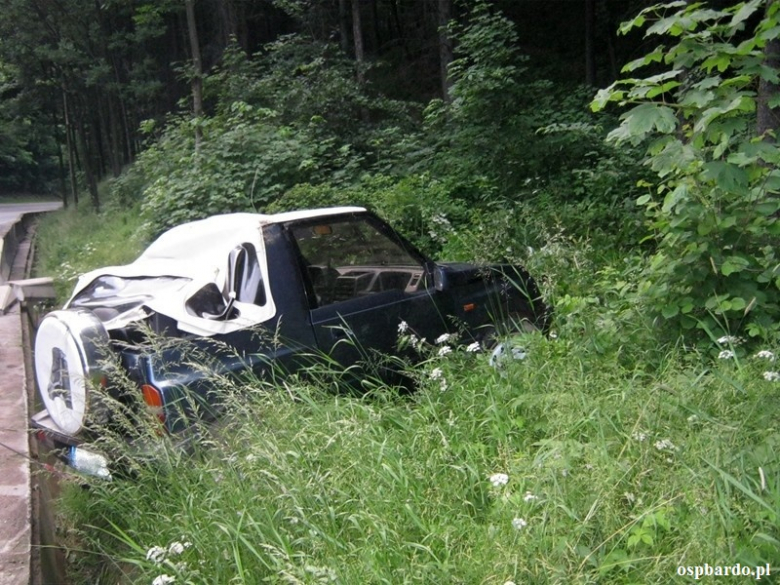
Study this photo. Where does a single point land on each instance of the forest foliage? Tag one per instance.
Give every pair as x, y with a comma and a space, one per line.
712, 206
676, 194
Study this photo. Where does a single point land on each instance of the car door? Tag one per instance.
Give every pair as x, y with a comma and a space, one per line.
363, 282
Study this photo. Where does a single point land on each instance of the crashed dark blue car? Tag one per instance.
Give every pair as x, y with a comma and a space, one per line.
251, 291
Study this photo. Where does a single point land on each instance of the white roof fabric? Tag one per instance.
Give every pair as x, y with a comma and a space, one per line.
199, 252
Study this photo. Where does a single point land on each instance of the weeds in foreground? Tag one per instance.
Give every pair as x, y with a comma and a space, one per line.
602, 457
563, 467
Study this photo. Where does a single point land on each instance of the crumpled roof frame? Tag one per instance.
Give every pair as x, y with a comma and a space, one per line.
198, 251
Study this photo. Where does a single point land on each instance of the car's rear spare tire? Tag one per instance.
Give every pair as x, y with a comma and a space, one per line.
68, 349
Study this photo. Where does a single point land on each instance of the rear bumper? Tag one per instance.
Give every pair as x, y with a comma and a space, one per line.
68, 449
45, 428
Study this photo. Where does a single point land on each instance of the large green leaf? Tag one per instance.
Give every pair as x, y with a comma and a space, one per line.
729, 177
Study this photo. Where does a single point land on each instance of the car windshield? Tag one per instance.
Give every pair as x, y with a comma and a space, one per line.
349, 259
350, 243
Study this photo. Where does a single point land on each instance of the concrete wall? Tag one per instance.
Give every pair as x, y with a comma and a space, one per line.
11, 236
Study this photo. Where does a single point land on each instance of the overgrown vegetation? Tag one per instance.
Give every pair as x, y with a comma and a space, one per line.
568, 466
713, 205
640, 438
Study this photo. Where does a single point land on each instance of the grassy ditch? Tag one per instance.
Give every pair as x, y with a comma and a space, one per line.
604, 456
563, 467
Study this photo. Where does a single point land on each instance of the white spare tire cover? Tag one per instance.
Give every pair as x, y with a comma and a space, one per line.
68, 347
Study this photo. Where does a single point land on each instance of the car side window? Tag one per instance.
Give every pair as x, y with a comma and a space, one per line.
250, 287
352, 258
244, 284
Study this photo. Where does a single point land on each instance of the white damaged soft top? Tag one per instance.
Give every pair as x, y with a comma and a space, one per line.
179, 264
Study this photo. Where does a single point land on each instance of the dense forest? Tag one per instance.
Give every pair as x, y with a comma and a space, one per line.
505, 124
83, 81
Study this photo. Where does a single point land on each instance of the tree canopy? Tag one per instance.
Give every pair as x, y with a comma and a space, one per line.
92, 75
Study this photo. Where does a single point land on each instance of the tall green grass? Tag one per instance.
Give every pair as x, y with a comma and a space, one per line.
611, 475
604, 456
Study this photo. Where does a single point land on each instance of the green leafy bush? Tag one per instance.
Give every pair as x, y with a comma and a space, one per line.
246, 160
713, 207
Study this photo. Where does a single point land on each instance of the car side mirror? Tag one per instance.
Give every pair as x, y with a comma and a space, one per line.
440, 278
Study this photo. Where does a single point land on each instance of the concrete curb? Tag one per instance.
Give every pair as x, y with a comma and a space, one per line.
9, 244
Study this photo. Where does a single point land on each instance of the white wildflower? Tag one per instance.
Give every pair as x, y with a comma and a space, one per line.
665, 445
499, 479
156, 554
163, 580
444, 350
519, 523
443, 385
403, 326
529, 497
435, 374
176, 548
726, 354
639, 436
321, 574
766, 355
443, 338
730, 340
772, 376
441, 219
474, 347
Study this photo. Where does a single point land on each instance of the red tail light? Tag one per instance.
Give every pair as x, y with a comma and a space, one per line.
154, 401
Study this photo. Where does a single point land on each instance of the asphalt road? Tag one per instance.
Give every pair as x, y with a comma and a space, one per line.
11, 212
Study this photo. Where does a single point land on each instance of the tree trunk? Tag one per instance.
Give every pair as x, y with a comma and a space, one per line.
99, 135
590, 37
398, 28
197, 74
114, 132
357, 34
445, 47
376, 29
60, 159
71, 146
228, 22
86, 157
343, 27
